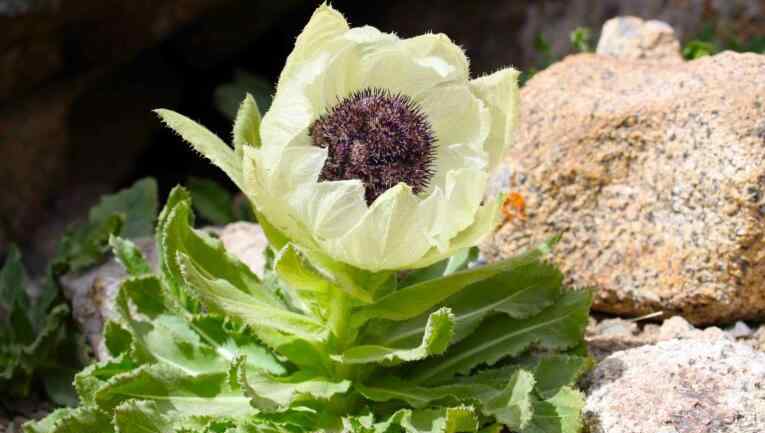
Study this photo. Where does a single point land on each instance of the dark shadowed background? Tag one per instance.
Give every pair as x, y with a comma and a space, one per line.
78, 78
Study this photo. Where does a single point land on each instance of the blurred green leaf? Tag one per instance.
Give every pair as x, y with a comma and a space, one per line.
211, 201
229, 96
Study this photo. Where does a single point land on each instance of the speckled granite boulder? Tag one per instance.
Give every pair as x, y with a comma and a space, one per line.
654, 174
92, 293
678, 386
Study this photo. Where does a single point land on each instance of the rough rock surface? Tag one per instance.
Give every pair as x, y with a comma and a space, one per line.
653, 174
607, 336
678, 386
632, 38
92, 293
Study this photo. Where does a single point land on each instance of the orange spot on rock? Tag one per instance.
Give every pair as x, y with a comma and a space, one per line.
514, 207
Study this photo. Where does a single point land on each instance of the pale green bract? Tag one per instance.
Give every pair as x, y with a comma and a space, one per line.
275, 163
369, 319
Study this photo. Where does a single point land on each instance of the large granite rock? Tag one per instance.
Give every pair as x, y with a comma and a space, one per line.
92, 293
678, 386
653, 173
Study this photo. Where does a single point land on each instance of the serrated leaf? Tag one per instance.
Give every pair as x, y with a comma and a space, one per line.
138, 204
513, 406
206, 143
135, 416
247, 124
193, 345
178, 237
560, 326
211, 201
12, 280
554, 372
117, 339
89, 380
436, 338
86, 245
561, 413
303, 282
520, 292
201, 395
412, 301
271, 393
129, 256
220, 295
82, 419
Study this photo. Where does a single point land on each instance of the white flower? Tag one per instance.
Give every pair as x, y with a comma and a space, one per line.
316, 166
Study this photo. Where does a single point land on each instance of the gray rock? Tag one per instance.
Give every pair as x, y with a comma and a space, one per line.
678, 386
92, 293
652, 173
631, 38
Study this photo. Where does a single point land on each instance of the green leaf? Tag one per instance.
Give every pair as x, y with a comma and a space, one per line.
138, 204
82, 419
206, 143
86, 245
455, 263
561, 413
560, 326
195, 345
137, 416
12, 280
270, 393
116, 338
436, 337
94, 376
221, 296
303, 282
513, 406
201, 395
211, 201
554, 372
520, 292
129, 256
247, 124
59, 387
178, 237
415, 300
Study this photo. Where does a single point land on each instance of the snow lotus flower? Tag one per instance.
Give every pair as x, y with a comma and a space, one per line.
376, 150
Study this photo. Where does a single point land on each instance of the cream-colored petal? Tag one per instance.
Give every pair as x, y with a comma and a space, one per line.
258, 188
500, 92
367, 36
291, 111
486, 220
389, 236
340, 78
206, 143
391, 67
439, 52
464, 190
325, 25
329, 209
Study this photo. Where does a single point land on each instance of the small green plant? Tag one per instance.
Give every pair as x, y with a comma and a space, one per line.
37, 347
129, 213
581, 39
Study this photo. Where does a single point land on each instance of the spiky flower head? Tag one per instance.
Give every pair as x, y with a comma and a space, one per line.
377, 137
376, 150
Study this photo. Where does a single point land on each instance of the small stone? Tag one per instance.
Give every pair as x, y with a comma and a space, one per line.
631, 38
740, 330
678, 386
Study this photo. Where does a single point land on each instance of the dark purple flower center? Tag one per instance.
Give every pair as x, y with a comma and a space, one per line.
378, 137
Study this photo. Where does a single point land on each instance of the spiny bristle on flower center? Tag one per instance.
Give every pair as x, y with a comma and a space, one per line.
378, 137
